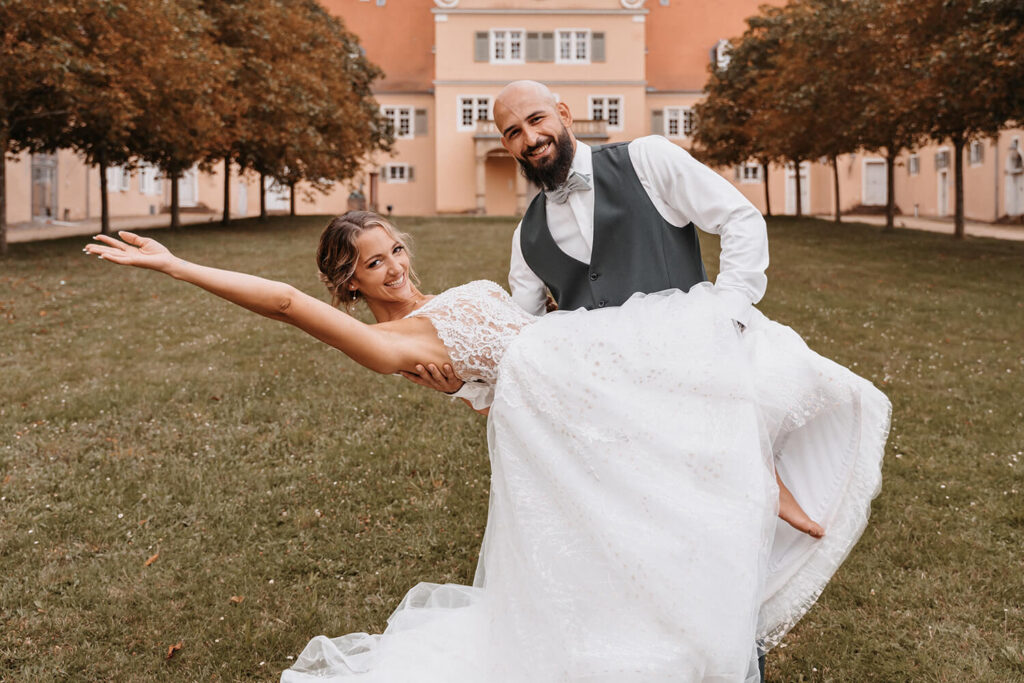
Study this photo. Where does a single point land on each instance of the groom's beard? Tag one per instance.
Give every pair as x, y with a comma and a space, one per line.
550, 174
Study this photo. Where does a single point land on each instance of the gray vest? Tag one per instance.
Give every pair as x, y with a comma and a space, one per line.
635, 249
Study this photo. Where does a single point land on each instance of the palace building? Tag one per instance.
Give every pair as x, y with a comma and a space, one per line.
626, 68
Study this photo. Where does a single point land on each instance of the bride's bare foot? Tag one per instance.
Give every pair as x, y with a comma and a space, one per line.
794, 515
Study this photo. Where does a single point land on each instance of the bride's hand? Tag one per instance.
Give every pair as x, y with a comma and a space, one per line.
141, 252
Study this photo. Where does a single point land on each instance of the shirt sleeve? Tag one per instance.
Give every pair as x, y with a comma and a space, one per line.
528, 290
685, 190
478, 394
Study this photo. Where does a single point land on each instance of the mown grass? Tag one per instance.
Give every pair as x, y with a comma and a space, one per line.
139, 417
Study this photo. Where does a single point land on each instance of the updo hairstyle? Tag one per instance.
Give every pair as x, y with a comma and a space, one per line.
337, 255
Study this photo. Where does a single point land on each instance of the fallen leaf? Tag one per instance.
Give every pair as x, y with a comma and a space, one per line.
237, 599
42, 314
142, 522
7, 479
173, 648
151, 560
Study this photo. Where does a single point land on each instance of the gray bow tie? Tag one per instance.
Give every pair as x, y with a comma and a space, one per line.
575, 181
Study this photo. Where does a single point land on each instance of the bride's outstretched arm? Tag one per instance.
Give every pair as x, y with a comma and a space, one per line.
379, 347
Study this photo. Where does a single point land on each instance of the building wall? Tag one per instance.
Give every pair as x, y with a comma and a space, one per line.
681, 34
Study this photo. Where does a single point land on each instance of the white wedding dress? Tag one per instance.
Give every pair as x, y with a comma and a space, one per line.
632, 533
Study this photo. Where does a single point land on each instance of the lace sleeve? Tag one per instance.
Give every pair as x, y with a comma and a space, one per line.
475, 322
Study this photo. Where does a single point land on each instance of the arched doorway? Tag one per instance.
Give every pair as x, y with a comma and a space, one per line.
500, 184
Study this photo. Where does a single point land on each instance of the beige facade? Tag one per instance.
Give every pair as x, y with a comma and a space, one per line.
626, 68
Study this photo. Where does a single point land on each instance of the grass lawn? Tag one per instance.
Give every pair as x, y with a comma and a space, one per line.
177, 470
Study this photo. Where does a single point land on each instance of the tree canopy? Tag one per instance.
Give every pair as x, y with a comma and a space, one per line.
820, 78
279, 87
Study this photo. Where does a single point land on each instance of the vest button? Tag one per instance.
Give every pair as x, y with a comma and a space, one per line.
602, 303
594, 276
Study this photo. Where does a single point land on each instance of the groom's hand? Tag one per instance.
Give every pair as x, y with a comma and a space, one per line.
444, 380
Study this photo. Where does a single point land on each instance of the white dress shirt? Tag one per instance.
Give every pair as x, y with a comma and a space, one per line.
683, 190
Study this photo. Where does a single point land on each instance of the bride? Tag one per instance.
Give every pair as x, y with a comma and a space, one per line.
632, 533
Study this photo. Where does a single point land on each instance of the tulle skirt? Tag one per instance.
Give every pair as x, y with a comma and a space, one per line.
632, 533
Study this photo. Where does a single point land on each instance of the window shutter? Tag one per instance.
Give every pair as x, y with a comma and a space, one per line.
408, 174
532, 46
421, 122
482, 47
597, 47
126, 179
382, 173
658, 122
739, 173
547, 46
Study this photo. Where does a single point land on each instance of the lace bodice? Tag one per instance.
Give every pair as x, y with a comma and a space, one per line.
475, 321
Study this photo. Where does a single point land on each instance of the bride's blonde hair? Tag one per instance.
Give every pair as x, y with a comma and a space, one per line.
337, 255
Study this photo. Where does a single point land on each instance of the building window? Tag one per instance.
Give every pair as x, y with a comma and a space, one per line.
679, 122
720, 54
976, 156
914, 164
507, 46
397, 173
749, 173
400, 119
149, 180
473, 108
607, 108
573, 46
119, 179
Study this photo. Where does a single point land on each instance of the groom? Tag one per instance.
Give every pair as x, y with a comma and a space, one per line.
615, 220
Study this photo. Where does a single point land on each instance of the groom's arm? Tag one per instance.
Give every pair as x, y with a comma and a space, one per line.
684, 190
528, 290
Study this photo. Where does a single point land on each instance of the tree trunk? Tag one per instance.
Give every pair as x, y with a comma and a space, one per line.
226, 218
104, 197
3, 194
835, 179
263, 196
767, 195
958, 185
890, 190
291, 199
799, 198
175, 206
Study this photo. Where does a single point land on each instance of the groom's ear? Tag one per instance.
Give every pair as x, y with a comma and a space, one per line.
564, 113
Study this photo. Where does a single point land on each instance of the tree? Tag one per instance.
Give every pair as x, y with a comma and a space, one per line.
816, 65
725, 134
114, 51
970, 96
311, 117
35, 53
180, 122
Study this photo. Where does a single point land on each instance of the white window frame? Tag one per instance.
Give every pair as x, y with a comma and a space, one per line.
119, 179
722, 57
679, 115
505, 41
397, 114
914, 165
978, 160
605, 104
574, 38
396, 173
750, 173
150, 180
478, 101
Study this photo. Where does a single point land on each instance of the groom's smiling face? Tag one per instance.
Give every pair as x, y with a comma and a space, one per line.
534, 129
